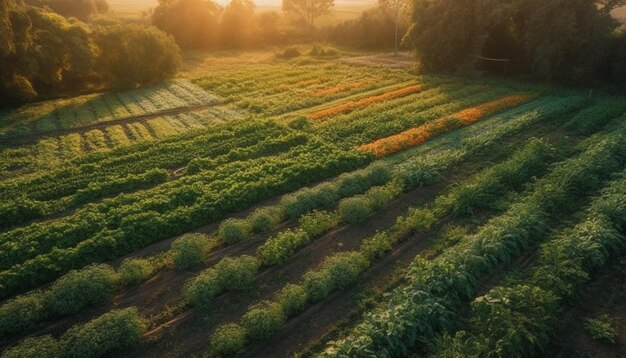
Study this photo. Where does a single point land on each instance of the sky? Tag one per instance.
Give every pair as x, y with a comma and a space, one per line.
273, 3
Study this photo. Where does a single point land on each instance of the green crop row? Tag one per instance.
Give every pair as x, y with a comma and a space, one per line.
516, 321
105, 231
428, 303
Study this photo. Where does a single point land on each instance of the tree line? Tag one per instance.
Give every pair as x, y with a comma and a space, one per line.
205, 24
44, 54
563, 41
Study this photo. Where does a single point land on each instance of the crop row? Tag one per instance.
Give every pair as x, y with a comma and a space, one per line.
415, 136
94, 285
18, 212
516, 320
350, 106
166, 154
280, 88
364, 126
262, 320
435, 289
91, 109
105, 231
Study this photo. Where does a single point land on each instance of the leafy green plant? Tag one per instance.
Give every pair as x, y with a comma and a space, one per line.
234, 230
78, 289
191, 250
292, 298
22, 313
263, 320
317, 223
115, 330
602, 328
134, 270
37, 347
279, 248
355, 210
227, 340
265, 219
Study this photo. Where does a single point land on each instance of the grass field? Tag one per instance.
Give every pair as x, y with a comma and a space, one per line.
261, 207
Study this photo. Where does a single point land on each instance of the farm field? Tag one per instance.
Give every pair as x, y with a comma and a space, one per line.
312, 207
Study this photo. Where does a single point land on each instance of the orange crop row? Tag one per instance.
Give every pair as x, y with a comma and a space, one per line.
415, 136
352, 105
338, 88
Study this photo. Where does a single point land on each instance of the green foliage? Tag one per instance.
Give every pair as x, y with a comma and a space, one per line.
375, 247
232, 231
134, 270
92, 285
335, 273
38, 347
227, 340
265, 219
305, 200
229, 274
381, 196
115, 330
355, 210
279, 248
602, 328
263, 320
317, 223
22, 313
292, 298
191, 250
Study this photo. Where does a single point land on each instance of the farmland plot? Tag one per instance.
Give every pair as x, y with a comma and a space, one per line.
327, 210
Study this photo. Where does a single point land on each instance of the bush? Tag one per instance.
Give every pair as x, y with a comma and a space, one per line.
263, 320
380, 196
305, 200
318, 284
78, 289
264, 219
191, 250
602, 328
229, 274
133, 271
232, 231
114, 330
237, 273
21, 313
355, 210
292, 298
39, 347
376, 246
228, 340
200, 291
278, 249
317, 223
336, 272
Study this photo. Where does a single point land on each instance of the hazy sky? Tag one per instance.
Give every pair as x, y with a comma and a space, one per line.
150, 3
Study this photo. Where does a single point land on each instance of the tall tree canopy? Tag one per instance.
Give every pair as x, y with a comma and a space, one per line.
560, 40
193, 23
308, 11
43, 54
80, 9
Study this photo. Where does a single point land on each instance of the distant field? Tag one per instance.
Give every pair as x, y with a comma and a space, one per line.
264, 207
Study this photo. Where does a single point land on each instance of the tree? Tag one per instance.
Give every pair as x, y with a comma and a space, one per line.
307, 10
124, 50
238, 26
80, 9
394, 9
193, 23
